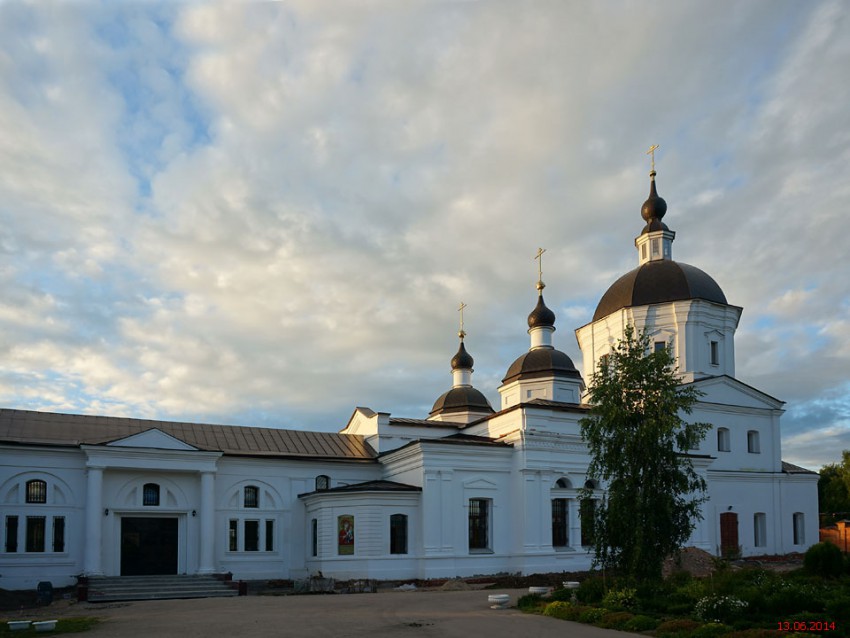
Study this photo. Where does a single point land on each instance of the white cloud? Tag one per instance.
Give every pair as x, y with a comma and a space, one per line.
271, 211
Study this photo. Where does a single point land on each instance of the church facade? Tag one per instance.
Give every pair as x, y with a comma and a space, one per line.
466, 490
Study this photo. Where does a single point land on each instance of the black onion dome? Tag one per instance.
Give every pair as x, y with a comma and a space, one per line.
653, 209
541, 315
659, 281
462, 359
462, 399
542, 362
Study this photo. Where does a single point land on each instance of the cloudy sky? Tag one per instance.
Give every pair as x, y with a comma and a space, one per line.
268, 213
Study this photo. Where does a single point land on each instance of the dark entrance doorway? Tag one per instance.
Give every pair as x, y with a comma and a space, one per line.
148, 546
728, 534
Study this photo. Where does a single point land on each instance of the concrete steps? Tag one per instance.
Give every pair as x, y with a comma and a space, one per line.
115, 588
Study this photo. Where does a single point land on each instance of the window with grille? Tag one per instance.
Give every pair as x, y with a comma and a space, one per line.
314, 532
269, 535
252, 536
36, 491
35, 533
587, 511
560, 523
233, 535
11, 534
479, 523
252, 496
150, 495
323, 482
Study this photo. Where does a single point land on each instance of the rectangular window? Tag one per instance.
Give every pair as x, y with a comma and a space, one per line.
655, 247
760, 529
233, 535
479, 523
35, 533
660, 345
799, 529
643, 251
586, 513
715, 353
269, 536
314, 533
398, 534
252, 536
753, 446
58, 533
560, 523
11, 534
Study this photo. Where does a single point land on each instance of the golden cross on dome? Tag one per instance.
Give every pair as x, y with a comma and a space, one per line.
651, 152
539, 258
461, 334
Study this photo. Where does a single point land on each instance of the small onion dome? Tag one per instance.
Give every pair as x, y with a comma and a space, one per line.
461, 399
462, 359
542, 362
658, 282
541, 315
653, 209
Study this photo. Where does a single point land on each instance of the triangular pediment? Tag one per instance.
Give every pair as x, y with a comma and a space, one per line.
152, 438
727, 390
480, 484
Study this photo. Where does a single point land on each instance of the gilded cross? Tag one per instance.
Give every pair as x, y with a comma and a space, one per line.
461, 334
651, 152
539, 258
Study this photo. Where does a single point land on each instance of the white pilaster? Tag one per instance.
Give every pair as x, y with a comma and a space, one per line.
207, 540
94, 522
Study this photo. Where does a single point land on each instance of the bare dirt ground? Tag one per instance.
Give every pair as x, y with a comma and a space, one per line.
426, 614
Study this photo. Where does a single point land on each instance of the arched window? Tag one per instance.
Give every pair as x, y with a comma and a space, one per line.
563, 483
398, 534
760, 529
723, 444
799, 522
150, 495
252, 496
753, 445
323, 482
36, 491
590, 484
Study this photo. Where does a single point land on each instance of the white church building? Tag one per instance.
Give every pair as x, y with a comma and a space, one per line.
466, 490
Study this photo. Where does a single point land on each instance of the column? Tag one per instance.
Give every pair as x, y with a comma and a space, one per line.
94, 522
575, 523
206, 564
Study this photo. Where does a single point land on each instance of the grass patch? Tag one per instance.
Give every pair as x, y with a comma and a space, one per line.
63, 626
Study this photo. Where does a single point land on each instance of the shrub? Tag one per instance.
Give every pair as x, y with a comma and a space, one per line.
591, 590
679, 627
719, 608
640, 623
560, 609
824, 559
711, 630
616, 619
620, 599
530, 602
838, 609
592, 615
756, 633
562, 594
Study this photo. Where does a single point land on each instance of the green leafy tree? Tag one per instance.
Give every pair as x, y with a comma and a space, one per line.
638, 444
834, 490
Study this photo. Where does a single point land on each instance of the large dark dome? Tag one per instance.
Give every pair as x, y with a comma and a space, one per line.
658, 282
542, 362
460, 400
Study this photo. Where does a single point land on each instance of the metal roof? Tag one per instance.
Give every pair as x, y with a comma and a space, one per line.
48, 428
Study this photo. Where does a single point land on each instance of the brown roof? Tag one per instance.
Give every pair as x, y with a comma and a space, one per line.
790, 468
48, 428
